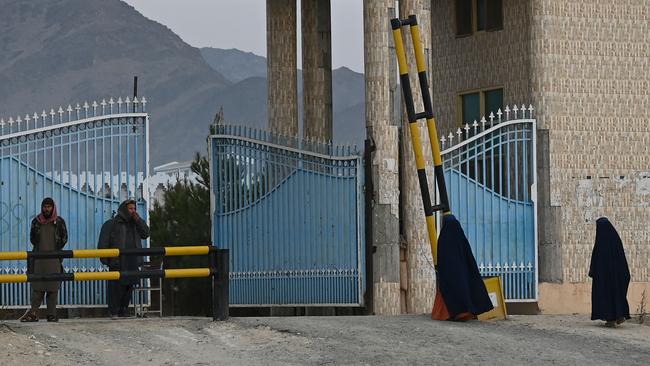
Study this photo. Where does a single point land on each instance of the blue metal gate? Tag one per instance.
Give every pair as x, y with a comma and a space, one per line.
490, 169
291, 213
88, 159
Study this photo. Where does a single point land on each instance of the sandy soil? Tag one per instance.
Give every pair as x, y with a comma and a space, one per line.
369, 340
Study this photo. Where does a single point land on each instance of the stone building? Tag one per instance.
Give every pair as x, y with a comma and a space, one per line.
583, 64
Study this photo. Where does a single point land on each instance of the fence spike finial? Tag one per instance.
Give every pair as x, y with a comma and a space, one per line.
491, 117
460, 134
530, 111
60, 111
451, 139
499, 114
443, 140
467, 129
483, 122
507, 110
515, 109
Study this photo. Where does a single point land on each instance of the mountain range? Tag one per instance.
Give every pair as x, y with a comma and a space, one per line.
60, 52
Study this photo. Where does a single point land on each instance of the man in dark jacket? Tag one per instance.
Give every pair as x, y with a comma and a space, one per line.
125, 230
47, 233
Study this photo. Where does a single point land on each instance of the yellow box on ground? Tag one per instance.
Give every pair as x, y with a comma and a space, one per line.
495, 291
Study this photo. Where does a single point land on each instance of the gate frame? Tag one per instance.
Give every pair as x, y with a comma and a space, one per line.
87, 113
533, 187
360, 207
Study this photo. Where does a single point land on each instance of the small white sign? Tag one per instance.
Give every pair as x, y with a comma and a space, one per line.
494, 299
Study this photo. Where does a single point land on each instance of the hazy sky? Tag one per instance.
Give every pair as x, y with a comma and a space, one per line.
241, 24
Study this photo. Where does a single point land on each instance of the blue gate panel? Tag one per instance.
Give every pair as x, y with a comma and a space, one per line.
291, 219
490, 180
88, 165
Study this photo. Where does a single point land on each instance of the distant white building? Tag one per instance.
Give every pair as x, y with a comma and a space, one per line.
168, 174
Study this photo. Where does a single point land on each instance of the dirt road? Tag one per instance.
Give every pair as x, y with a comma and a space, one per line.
369, 340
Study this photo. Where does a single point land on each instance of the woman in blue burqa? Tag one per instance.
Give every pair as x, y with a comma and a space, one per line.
610, 276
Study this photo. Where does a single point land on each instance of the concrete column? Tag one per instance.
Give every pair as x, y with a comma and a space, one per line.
421, 289
384, 133
317, 69
282, 66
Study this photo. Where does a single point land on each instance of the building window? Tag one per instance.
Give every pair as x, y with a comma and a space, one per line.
476, 104
478, 15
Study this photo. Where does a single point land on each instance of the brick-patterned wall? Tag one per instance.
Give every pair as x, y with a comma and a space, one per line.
585, 66
281, 47
384, 134
591, 83
317, 69
483, 60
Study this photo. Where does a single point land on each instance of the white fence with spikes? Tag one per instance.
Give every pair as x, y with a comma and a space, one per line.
56, 116
492, 120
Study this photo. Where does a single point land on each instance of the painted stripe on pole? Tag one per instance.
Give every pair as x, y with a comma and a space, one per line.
96, 253
190, 250
187, 272
97, 276
13, 278
9, 256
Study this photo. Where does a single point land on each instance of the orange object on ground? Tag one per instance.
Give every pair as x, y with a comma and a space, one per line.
440, 312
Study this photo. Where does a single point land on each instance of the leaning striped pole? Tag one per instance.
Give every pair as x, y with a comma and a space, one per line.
415, 135
428, 110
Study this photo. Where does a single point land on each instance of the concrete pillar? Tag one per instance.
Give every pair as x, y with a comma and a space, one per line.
421, 284
317, 69
282, 66
384, 133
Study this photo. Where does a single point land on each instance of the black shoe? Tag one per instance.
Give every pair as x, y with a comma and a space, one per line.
52, 318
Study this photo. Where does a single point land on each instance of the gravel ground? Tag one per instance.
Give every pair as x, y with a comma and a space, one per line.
354, 340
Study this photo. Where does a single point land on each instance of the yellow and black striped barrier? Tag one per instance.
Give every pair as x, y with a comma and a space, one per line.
413, 117
110, 253
219, 270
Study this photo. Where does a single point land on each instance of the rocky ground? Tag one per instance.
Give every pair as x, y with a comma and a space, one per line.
354, 340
